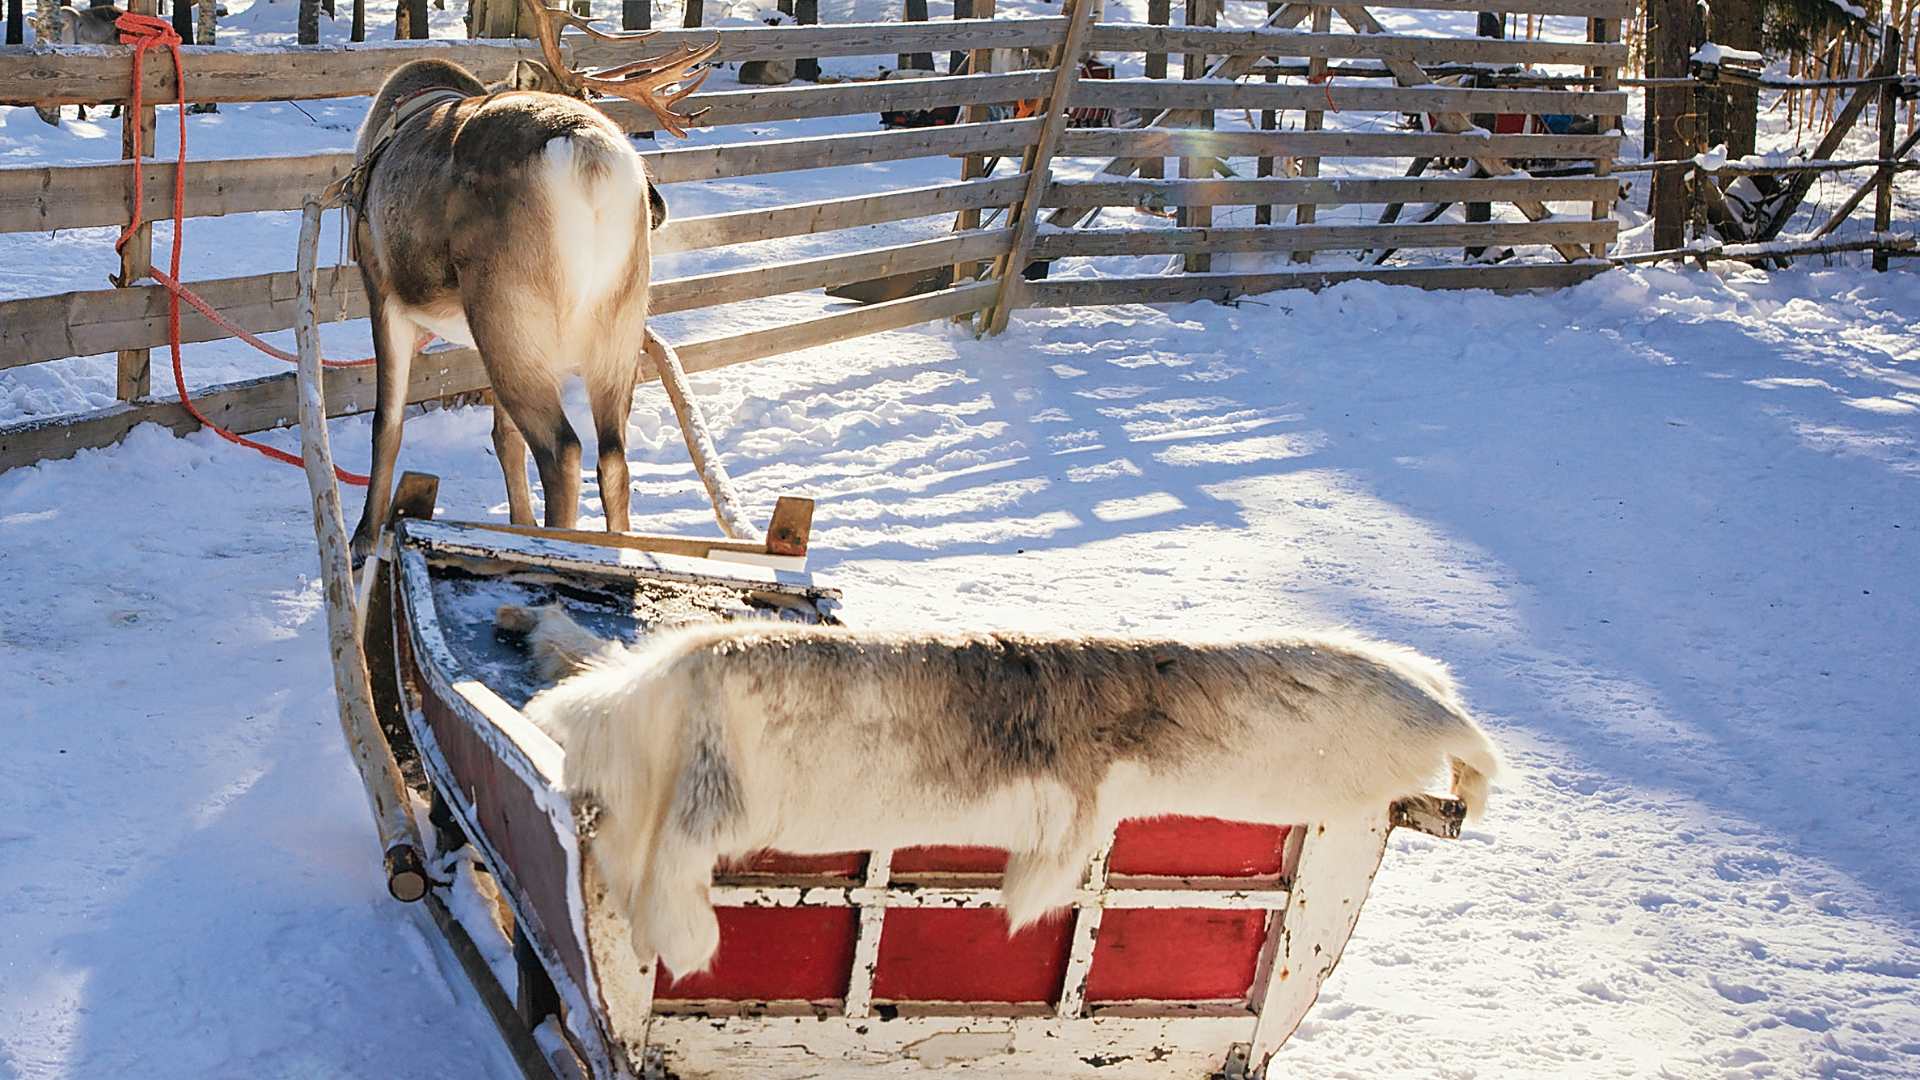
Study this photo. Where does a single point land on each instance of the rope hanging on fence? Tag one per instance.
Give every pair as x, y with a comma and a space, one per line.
145, 32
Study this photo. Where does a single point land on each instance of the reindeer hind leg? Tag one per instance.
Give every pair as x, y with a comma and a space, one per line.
526, 384
395, 339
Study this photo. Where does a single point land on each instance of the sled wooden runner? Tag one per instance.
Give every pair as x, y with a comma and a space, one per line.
1193, 950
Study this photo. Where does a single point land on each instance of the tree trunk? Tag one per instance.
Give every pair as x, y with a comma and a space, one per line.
16, 22
1733, 111
696, 13
636, 14
309, 22
1670, 116
183, 19
359, 19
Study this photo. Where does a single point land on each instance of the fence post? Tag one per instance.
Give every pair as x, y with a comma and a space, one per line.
916, 12
806, 13
973, 166
1488, 24
1269, 121
1201, 13
1038, 162
1159, 13
1889, 109
135, 375
1314, 120
1604, 31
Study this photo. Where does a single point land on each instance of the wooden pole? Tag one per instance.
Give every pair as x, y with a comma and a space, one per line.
1669, 116
1038, 161
806, 13
1487, 24
700, 447
1194, 66
1159, 13
916, 11
134, 367
1269, 121
1842, 124
372, 757
1604, 31
1882, 177
973, 166
1889, 110
1314, 120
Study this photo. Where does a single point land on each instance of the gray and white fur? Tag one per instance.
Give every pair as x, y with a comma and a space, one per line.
719, 740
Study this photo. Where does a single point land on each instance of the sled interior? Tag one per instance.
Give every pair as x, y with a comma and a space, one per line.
1189, 951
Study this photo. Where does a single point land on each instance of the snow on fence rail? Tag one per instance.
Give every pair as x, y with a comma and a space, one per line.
1158, 117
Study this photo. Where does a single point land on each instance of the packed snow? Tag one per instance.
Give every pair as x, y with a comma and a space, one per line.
1662, 525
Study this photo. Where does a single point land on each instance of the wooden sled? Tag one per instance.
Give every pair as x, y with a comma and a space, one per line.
1192, 950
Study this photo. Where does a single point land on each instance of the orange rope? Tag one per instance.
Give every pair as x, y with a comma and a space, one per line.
145, 32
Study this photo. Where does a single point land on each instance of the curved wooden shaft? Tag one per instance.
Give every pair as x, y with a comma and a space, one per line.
1336, 868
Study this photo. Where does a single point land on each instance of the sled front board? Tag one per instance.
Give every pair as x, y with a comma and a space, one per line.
1186, 953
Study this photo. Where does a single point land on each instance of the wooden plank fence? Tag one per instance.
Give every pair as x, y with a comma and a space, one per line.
1363, 134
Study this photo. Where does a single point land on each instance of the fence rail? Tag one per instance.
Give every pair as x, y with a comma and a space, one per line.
1156, 119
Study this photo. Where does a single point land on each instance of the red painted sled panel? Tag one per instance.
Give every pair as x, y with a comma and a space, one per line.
774, 954
1180, 954
849, 864
949, 860
1197, 847
964, 954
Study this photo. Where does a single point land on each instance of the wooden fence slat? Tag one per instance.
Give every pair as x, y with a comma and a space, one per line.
30, 76
1328, 191
1118, 37
732, 286
1222, 287
95, 321
872, 319
769, 104
838, 39
1276, 238
828, 151
1582, 8
244, 407
1157, 94
1173, 142
803, 219
40, 198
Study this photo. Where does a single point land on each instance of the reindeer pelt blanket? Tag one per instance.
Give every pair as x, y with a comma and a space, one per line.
723, 739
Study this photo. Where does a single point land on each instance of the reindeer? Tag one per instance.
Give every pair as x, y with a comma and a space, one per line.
715, 740
71, 26
514, 218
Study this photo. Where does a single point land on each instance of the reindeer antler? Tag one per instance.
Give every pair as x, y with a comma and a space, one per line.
645, 82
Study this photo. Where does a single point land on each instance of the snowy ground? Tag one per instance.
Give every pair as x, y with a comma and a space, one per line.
1662, 524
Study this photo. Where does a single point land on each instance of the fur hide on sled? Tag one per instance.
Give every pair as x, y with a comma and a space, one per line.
720, 740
